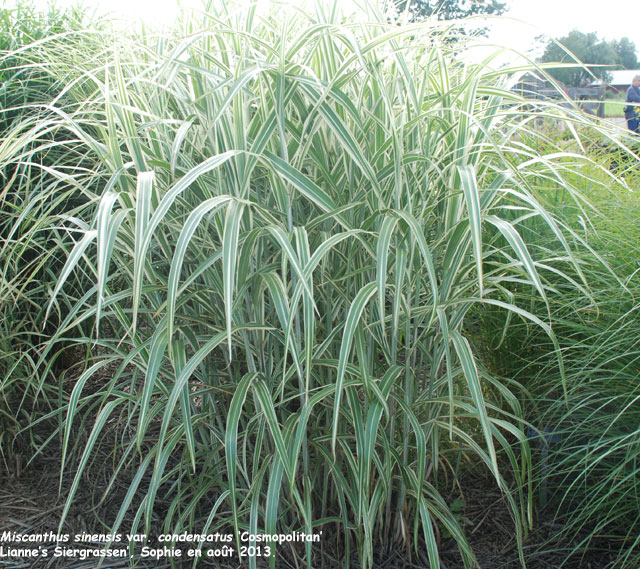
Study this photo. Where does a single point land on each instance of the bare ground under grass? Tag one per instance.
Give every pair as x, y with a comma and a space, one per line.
30, 504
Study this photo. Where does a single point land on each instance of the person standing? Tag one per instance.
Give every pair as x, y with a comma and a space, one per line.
632, 111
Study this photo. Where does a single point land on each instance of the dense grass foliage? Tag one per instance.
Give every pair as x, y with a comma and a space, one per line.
591, 473
274, 237
31, 202
25, 42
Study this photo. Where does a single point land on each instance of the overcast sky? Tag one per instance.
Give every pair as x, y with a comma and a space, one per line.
612, 19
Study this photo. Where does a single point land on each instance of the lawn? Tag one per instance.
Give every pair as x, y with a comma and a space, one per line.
613, 107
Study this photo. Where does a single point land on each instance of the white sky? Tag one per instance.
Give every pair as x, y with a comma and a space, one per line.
612, 19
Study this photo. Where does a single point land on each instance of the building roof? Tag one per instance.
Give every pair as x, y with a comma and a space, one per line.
620, 77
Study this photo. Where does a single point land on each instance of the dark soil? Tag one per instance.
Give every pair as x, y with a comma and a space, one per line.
30, 504
492, 535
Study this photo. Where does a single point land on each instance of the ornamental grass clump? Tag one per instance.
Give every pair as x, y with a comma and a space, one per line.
289, 225
587, 478
40, 174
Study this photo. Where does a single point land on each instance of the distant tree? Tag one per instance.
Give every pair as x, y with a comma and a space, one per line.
626, 51
451, 9
590, 50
